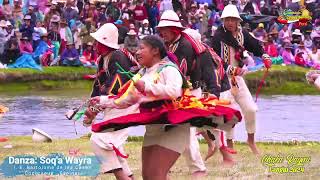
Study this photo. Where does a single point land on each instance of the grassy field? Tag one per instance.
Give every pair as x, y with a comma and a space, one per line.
248, 166
281, 80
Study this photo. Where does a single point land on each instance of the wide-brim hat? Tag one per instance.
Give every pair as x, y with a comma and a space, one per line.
63, 21
27, 17
70, 43
145, 21
132, 32
55, 18
107, 35
170, 19
297, 32
288, 46
230, 11
44, 35
24, 38
40, 136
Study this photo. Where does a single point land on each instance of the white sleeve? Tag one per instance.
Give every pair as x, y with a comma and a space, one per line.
170, 89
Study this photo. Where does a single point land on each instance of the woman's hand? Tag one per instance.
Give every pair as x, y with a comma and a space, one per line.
140, 85
94, 100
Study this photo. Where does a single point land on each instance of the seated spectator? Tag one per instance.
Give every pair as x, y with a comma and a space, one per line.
65, 34
123, 30
85, 32
297, 37
308, 42
36, 35
25, 60
287, 55
26, 28
44, 51
131, 42
10, 31
194, 23
89, 56
285, 34
299, 60
315, 57
259, 31
11, 52
70, 56
145, 30
25, 45
270, 48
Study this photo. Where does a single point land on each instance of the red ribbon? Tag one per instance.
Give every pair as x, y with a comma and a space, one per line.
118, 153
262, 83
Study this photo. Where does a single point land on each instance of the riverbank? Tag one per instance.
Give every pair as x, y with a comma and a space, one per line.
280, 81
248, 166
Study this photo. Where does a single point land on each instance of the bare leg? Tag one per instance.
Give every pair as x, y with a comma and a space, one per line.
252, 143
120, 174
211, 146
157, 161
230, 143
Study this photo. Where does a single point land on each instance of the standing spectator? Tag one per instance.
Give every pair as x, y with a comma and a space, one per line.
153, 15
113, 12
70, 13
145, 30
264, 9
27, 28
85, 13
122, 30
193, 13
7, 10
165, 5
70, 56
85, 32
102, 19
32, 15
140, 13
131, 42
17, 14
54, 37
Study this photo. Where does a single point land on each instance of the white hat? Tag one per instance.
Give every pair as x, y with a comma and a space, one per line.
297, 32
206, 4
27, 17
3, 23
8, 23
132, 32
40, 136
169, 18
230, 11
145, 21
193, 33
317, 82
107, 35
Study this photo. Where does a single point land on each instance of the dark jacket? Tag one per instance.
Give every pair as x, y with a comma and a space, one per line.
103, 85
250, 43
199, 68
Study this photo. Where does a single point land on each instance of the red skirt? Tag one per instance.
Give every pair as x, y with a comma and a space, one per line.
219, 117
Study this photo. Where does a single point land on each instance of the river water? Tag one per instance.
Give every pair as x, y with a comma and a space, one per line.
280, 118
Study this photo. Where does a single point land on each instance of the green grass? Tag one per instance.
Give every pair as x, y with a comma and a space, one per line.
248, 166
282, 80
